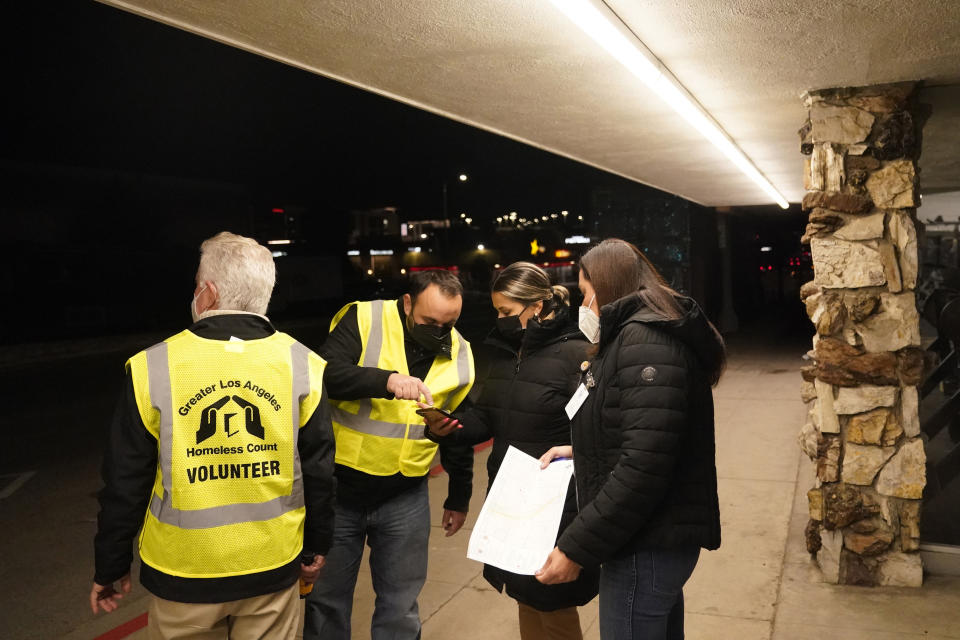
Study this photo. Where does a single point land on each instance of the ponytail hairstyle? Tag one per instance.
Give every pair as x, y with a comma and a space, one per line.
528, 284
616, 268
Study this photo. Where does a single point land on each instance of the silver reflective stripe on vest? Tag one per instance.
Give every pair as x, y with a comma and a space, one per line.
463, 371
372, 356
368, 425
158, 373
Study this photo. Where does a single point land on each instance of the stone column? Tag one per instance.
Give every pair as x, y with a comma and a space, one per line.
863, 432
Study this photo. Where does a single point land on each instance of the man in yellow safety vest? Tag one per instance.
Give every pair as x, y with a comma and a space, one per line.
383, 357
222, 449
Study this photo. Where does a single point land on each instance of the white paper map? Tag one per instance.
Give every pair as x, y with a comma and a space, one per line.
517, 527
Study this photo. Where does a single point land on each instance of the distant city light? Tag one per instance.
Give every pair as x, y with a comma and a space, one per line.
579, 217
562, 253
463, 177
499, 219
496, 266
468, 220
553, 216
353, 252
381, 252
513, 215
423, 236
278, 254
480, 247
403, 228
463, 215
564, 213
403, 272
766, 249
577, 240
369, 272
278, 241
414, 249
277, 210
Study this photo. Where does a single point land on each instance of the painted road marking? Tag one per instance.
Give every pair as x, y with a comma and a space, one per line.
19, 479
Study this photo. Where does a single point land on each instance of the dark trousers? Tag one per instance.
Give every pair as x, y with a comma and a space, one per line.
641, 595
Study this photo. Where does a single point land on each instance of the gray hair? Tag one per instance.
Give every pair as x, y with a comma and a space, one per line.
242, 269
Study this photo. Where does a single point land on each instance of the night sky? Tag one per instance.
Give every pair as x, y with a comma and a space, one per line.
126, 142
93, 86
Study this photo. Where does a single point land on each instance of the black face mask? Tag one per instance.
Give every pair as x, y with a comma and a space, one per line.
510, 328
431, 337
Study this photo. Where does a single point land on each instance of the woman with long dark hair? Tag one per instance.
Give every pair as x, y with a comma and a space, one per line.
536, 351
643, 445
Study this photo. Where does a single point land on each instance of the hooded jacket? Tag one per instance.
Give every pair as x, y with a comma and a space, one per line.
521, 404
643, 440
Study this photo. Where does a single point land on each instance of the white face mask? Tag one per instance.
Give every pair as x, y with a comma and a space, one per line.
589, 322
193, 305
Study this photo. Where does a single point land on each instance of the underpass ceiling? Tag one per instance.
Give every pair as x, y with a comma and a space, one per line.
523, 70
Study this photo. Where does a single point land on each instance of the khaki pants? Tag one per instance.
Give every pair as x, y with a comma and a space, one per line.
274, 615
562, 624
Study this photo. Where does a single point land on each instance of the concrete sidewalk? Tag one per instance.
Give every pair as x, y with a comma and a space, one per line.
760, 585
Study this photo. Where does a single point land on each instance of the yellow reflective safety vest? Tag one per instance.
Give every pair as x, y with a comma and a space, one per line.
384, 437
228, 494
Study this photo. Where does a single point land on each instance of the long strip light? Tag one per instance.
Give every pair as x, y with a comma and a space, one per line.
601, 24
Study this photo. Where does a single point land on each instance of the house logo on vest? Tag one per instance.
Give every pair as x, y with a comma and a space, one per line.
209, 418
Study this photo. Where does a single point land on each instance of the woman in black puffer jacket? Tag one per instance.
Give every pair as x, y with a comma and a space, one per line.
537, 350
643, 446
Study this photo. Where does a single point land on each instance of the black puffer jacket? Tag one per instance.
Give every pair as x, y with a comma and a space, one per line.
522, 404
643, 441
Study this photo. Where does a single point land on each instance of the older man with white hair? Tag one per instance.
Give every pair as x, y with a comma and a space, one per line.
221, 448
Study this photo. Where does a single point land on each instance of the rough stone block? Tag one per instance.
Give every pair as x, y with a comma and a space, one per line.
828, 459
903, 233
857, 570
868, 544
842, 125
905, 475
843, 505
828, 557
893, 186
812, 536
841, 264
861, 303
867, 428
910, 365
866, 227
809, 440
808, 391
845, 202
900, 570
829, 422
896, 325
815, 503
891, 266
894, 136
861, 463
910, 411
910, 525
844, 365
851, 400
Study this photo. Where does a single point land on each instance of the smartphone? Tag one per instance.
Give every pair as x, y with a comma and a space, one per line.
434, 412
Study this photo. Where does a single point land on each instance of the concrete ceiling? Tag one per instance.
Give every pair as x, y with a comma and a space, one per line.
523, 70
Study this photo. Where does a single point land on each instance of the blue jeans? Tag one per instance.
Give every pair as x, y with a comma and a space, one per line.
398, 533
641, 595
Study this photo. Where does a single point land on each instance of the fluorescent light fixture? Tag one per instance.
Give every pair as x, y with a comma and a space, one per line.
278, 241
577, 240
353, 252
766, 249
381, 252
606, 28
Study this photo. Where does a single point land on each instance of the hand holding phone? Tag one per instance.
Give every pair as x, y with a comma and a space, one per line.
440, 423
